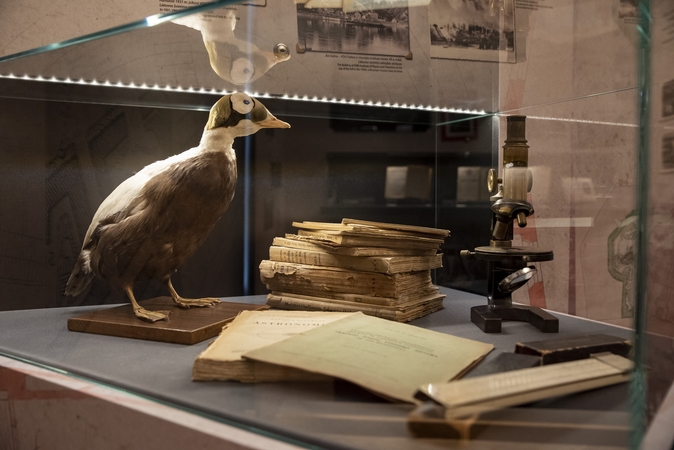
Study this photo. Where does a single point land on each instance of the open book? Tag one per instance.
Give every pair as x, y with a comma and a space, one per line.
389, 358
254, 329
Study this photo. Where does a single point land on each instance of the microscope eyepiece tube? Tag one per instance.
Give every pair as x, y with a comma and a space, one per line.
515, 160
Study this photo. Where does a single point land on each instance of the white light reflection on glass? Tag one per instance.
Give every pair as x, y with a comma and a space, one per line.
296, 97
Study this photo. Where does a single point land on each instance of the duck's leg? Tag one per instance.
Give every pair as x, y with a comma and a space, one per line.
142, 313
190, 302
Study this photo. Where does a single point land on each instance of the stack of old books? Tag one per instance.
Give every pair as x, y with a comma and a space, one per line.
381, 269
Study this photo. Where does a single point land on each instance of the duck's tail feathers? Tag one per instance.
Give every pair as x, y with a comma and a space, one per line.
80, 277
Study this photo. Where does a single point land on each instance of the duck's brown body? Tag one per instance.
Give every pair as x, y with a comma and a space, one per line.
158, 218
178, 209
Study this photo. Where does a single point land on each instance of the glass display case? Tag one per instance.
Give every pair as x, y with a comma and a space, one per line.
398, 111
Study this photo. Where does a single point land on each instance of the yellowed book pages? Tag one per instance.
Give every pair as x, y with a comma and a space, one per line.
353, 240
424, 293
438, 232
250, 330
389, 358
375, 229
309, 243
282, 276
491, 392
381, 264
400, 313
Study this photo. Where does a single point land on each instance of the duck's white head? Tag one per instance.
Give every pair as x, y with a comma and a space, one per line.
242, 115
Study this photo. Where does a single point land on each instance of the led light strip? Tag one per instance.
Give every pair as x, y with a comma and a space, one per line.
202, 90
306, 98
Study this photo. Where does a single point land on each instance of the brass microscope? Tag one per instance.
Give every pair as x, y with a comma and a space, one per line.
510, 267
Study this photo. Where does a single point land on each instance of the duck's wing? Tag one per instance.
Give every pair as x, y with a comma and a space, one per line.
125, 199
121, 203
118, 205
124, 202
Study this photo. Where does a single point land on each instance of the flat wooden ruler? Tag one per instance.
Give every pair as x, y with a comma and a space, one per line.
490, 392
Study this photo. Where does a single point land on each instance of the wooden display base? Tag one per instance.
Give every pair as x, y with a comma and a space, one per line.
185, 326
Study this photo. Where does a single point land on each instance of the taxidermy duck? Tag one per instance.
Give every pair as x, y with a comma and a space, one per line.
152, 222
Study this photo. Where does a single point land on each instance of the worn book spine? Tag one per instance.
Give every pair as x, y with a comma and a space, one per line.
369, 230
368, 299
384, 264
360, 305
282, 276
247, 371
309, 243
373, 241
431, 232
290, 302
309, 287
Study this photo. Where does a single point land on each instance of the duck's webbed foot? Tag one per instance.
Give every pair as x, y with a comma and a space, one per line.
145, 314
187, 303
151, 316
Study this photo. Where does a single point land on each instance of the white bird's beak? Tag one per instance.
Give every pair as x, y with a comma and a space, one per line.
272, 122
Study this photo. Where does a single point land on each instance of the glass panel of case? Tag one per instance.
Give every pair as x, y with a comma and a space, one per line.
366, 90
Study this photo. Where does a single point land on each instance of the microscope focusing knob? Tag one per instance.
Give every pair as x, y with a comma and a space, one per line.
521, 219
516, 279
492, 181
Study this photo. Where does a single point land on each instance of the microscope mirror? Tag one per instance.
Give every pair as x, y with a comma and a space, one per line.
516, 279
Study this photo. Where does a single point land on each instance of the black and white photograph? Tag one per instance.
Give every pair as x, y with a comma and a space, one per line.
668, 99
382, 31
668, 152
478, 30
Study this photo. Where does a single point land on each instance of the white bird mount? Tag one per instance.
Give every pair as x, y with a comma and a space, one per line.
238, 61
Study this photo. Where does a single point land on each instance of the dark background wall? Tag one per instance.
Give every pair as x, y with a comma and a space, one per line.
61, 159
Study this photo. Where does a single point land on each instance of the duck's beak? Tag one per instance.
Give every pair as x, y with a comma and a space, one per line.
272, 122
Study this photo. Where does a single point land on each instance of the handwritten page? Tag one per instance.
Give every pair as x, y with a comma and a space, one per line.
390, 358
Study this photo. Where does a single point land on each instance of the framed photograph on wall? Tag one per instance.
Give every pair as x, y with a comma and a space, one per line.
476, 30
381, 31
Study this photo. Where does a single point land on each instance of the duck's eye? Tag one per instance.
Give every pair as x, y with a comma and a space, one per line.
246, 102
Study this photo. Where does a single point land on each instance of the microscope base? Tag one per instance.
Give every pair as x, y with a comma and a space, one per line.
489, 319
